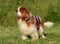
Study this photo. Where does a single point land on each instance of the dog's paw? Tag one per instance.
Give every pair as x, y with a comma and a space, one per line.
24, 37
43, 37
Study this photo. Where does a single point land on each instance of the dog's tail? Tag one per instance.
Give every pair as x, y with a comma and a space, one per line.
48, 24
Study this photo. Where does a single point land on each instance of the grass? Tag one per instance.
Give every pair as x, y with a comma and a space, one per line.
48, 10
11, 35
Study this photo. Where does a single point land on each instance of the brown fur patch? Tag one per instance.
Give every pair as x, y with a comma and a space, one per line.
30, 22
25, 13
38, 22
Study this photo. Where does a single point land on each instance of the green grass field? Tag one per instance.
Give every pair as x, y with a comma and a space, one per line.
11, 35
48, 10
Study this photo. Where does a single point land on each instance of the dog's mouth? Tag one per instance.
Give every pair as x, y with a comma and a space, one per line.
18, 17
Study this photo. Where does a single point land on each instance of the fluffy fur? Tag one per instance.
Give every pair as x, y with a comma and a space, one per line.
30, 25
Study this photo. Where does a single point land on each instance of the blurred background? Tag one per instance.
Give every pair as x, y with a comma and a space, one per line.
48, 10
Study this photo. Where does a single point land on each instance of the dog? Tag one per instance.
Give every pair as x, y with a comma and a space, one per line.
30, 25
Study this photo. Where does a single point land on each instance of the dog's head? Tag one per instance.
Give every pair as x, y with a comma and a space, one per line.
22, 13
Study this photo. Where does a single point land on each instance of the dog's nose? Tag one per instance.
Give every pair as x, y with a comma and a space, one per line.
16, 11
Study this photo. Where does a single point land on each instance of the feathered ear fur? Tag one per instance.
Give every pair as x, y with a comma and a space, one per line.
24, 12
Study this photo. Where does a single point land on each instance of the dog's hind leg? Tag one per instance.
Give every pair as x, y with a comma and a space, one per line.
41, 32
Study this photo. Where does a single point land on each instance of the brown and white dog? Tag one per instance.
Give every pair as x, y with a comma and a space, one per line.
30, 25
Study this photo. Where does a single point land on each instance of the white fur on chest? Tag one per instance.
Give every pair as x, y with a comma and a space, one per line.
25, 29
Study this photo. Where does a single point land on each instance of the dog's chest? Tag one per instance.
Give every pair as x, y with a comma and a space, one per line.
22, 25
25, 29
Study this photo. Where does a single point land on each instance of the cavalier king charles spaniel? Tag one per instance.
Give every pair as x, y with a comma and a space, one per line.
29, 25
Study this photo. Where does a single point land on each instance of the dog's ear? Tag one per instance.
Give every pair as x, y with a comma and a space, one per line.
24, 12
